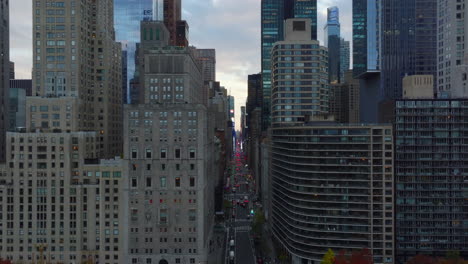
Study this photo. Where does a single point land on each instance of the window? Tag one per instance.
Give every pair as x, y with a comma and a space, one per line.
177, 181
134, 182
192, 153
163, 153
148, 182
134, 154
177, 153
148, 153
192, 215
163, 182
163, 216
192, 181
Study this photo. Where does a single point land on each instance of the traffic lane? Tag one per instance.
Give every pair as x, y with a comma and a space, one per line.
244, 252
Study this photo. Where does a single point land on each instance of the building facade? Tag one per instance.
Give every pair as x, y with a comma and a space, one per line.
367, 39
345, 53
19, 89
452, 50
300, 75
431, 177
4, 74
60, 70
273, 14
326, 196
169, 148
127, 17
409, 45
333, 43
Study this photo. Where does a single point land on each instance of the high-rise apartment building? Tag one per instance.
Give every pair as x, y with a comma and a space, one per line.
124, 64
61, 199
345, 53
344, 100
127, 17
367, 55
333, 42
64, 35
300, 74
431, 176
452, 48
169, 148
326, 196
408, 42
4, 74
273, 14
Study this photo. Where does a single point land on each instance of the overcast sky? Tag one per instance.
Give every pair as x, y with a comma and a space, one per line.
232, 27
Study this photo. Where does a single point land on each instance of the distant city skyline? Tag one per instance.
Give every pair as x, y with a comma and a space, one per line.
235, 36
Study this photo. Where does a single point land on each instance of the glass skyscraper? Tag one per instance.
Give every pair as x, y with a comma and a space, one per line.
333, 42
366, 56
409, 45
127, 17
273, 14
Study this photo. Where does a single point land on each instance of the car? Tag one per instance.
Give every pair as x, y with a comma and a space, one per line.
246, 201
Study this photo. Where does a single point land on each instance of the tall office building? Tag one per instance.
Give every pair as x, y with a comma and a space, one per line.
326, 196
172, 14
12, 70
127, 17
273, 14
345, 53
367, 55
63, 78
333, 42
344, 100
54, 179
207, 59
409, 45
124, 64
431, 173
452, 49
305, 9
19, 89
4, 74
169, 149
300, 86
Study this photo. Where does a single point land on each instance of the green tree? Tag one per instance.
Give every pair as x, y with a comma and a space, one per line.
329, 257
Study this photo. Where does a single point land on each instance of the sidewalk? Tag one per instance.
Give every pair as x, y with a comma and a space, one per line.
217, 249
267, 236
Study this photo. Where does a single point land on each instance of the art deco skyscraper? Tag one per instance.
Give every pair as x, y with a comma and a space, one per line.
77, 63
4, 74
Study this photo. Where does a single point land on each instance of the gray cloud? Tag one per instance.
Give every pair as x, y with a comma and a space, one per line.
232, 27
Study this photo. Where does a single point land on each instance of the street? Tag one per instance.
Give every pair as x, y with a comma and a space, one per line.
240, 218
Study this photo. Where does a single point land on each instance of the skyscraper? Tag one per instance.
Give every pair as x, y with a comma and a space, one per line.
73, 120
207, 59
127, 17
333, 42
273, 14
307, 95
172, 14
431, 176
169, 148
367, 55
64, 77
409, 45
326, 196
4, 74
345, 53
452, 53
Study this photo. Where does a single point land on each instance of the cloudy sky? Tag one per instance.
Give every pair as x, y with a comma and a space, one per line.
232, 27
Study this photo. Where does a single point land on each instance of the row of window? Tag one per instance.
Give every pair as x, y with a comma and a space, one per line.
163, 154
